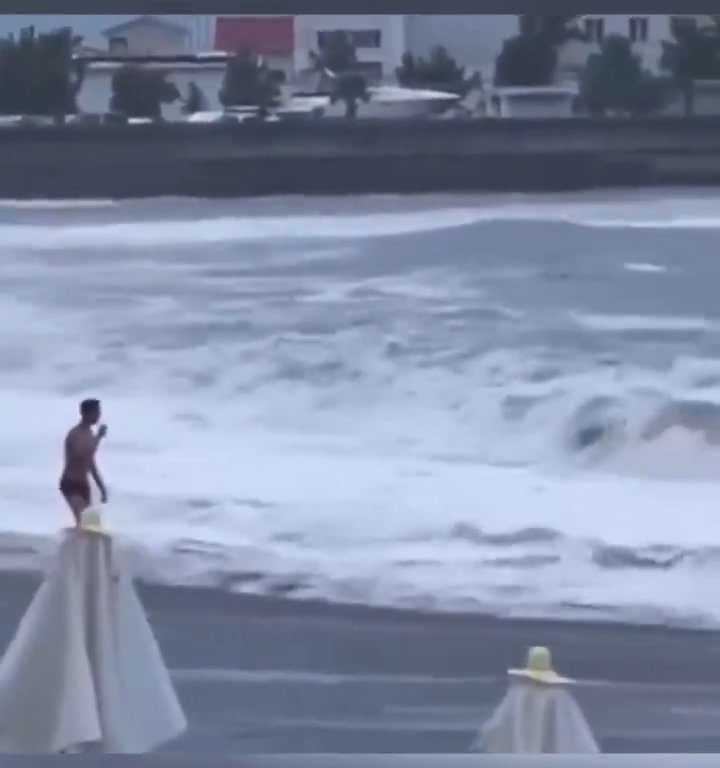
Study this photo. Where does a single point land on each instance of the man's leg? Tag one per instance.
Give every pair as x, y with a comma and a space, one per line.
77, 505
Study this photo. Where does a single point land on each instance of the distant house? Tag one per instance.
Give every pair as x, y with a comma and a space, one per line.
148, 36
269, 37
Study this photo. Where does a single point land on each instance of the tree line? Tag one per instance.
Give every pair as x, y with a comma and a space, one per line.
613, 79
39, 74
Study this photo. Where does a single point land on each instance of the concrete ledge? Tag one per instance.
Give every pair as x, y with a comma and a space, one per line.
366, 156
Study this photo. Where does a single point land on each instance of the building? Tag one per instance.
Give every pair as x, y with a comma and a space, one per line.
148, 36
205, 71
646, 34
379, 39
270, 37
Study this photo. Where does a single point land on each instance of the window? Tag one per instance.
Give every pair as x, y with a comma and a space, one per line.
639, 29
366, 38
595, 29
359, 38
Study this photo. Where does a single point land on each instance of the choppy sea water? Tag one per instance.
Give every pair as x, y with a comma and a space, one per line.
497, 404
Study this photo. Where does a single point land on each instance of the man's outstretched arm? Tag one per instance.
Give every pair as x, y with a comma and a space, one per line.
95, 472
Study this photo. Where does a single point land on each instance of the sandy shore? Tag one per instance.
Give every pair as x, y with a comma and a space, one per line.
265, 675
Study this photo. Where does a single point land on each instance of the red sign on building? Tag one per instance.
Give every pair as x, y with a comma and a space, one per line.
261, 36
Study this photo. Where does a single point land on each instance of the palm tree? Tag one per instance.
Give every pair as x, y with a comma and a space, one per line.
337, 54
527, 60
531, 57
439, 71
337, 64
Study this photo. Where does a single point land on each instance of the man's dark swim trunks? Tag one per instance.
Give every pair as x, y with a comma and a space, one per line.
70, 487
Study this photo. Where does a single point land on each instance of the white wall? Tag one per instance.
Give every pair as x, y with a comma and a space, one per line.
94, 97
535, 106
392, 29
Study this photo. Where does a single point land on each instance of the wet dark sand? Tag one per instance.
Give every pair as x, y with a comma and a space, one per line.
266, 675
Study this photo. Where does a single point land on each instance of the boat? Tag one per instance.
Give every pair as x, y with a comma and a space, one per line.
385, 101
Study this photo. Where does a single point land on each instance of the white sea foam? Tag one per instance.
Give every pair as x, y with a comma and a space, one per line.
404, 437
643, 267
616, 323
61, 205
229, 230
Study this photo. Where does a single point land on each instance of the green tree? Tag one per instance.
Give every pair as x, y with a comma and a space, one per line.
195, 100
614, 80
528, 60
351, 89
531, 58
249, 81
440, 71
38, 73
693, 54
337, 63
140, 92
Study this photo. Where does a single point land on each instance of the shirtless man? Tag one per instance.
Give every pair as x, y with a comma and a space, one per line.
80, 448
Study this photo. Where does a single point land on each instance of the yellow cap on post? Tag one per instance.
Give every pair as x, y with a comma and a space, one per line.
538, 668
91, 521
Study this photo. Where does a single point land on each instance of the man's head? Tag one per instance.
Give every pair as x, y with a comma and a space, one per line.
90, 411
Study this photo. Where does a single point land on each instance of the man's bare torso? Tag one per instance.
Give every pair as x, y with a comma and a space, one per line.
79, 453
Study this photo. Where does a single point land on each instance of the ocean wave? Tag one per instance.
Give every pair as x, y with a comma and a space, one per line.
468, 417
183, 234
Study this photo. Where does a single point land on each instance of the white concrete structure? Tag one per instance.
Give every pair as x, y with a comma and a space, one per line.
536, 103
206, 72
379, 39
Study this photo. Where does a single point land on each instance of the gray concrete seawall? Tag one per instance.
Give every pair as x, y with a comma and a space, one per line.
365, 156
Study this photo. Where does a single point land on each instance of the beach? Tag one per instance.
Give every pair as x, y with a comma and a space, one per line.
363, 451
262, 675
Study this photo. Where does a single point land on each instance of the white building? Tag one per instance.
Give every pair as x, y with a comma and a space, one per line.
379, 39
206, 73
148, 36
271, 38
474, 41
646, 33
